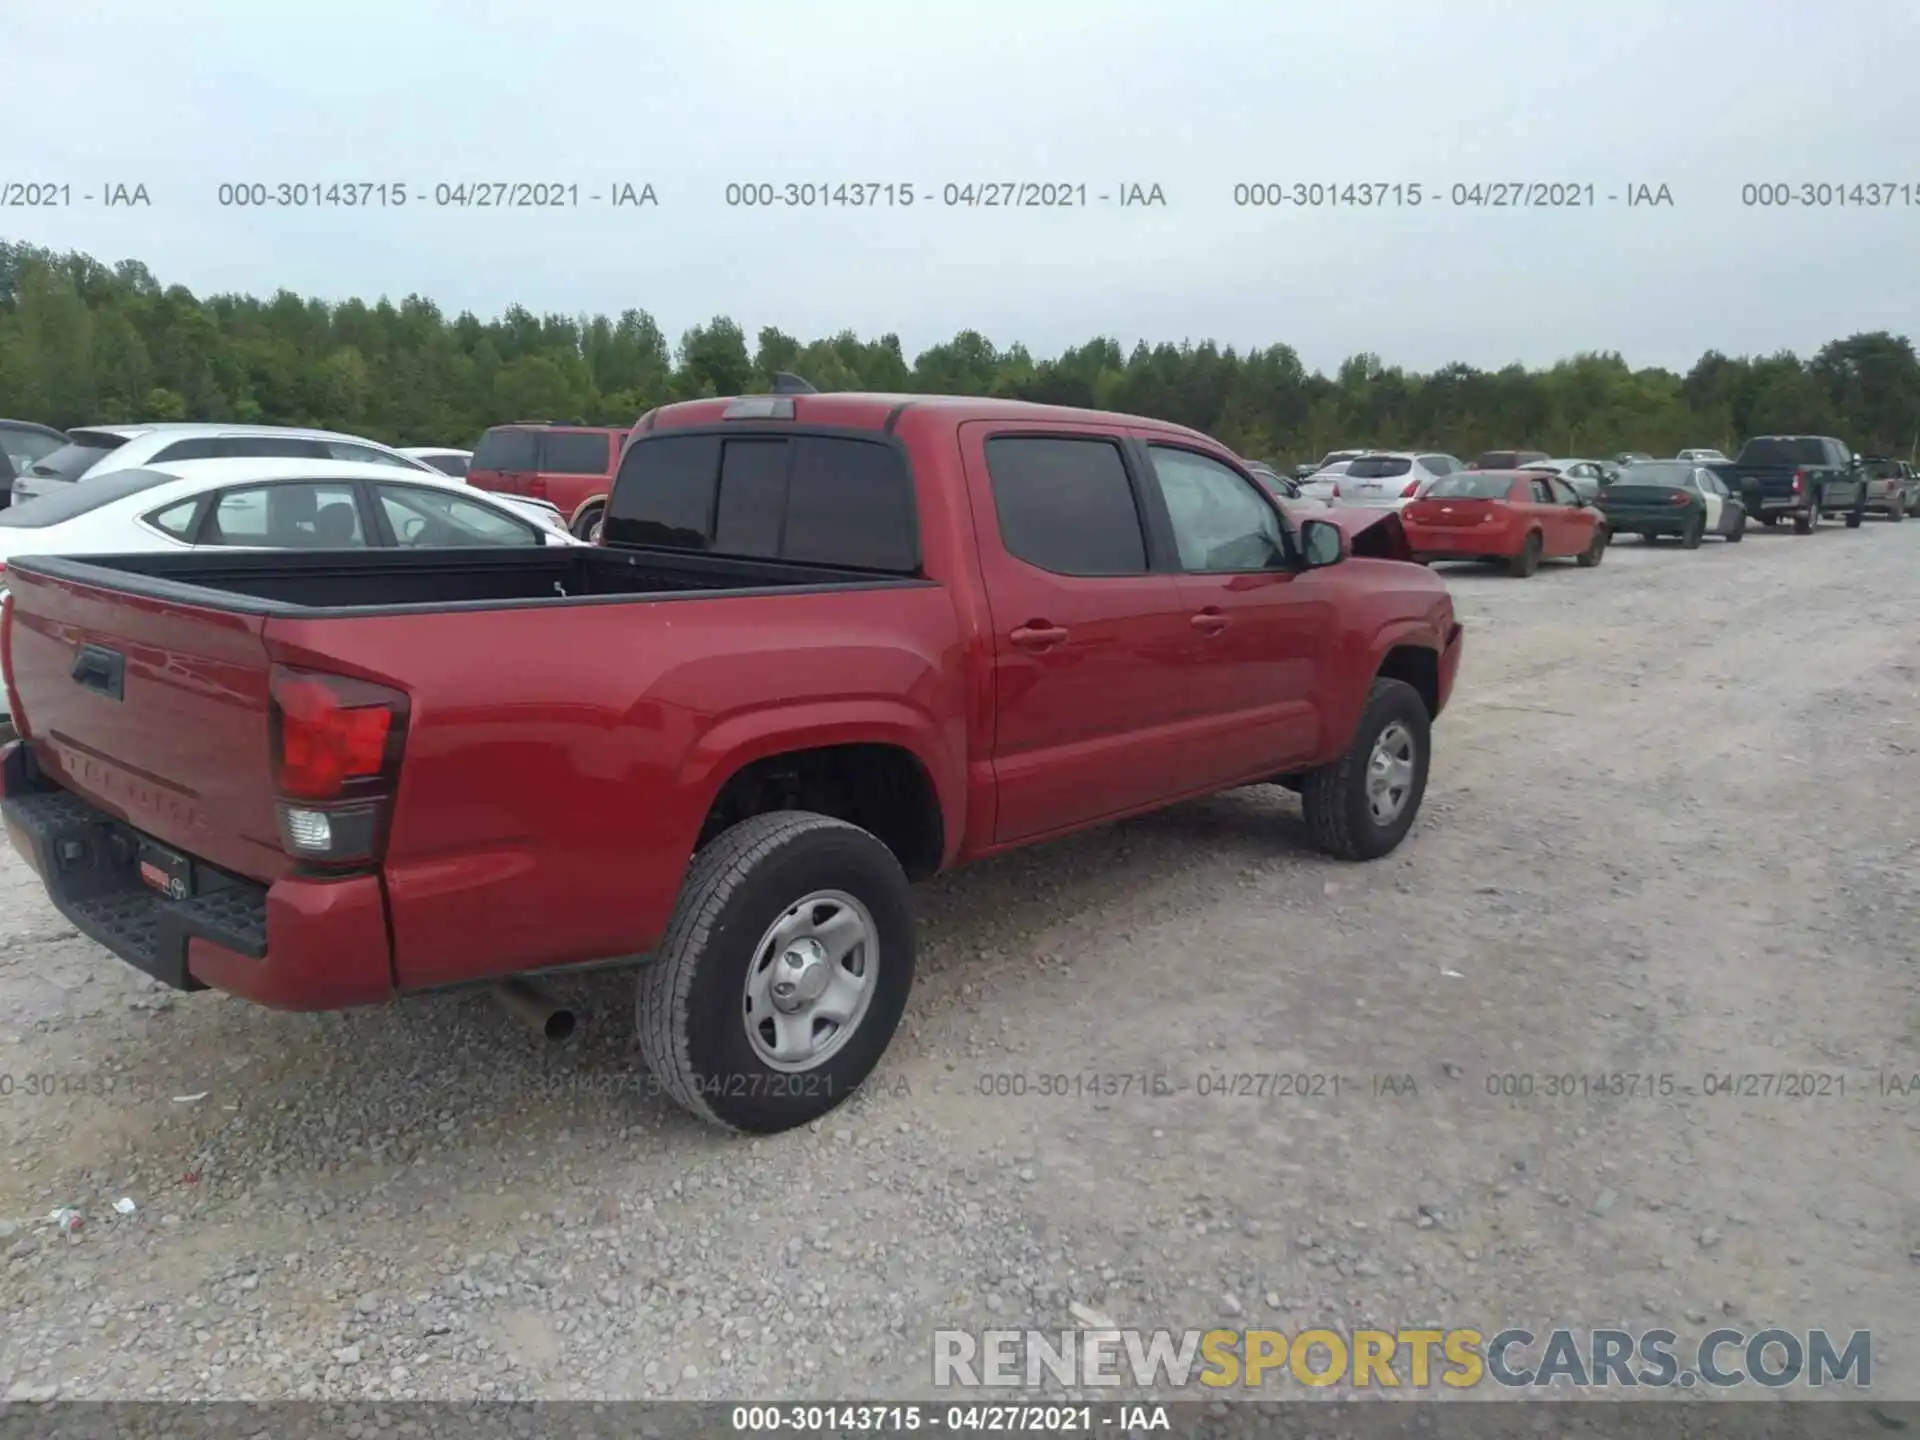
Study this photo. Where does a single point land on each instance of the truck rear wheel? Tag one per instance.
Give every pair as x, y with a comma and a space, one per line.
1361, 806
1856, 516
1805, 520
783, 974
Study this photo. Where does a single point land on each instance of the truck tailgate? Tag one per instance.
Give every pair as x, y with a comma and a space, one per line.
154, 711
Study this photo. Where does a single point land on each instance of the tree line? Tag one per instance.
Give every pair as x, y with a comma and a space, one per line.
85, 342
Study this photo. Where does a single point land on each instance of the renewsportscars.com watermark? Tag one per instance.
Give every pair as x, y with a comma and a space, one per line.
1414, 1359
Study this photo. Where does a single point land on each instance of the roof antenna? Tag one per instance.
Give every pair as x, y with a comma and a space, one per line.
785, 382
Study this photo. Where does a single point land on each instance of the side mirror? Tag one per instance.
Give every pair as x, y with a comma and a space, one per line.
1323, 542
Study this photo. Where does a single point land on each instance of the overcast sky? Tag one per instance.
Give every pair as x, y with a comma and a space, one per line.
1196, 97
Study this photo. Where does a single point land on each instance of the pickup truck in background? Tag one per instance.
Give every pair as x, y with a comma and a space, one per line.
1802, 476
831, 644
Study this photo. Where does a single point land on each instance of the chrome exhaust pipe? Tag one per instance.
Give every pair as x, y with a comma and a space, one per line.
536, 1008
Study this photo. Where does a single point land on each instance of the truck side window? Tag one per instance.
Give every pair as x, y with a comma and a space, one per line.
1066, 506
1219, 524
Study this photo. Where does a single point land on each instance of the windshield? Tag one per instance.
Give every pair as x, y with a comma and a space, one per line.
77, 456
1378, 467
68, 502
1669, 473
1470, 487
1335, 457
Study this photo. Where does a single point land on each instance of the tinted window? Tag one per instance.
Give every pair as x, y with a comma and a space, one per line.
1766, 451
850, 502
1066, 505
1498, 460
420, 517
753, 497
1470, 487
76, 457
1563, 492
1540, 493
68, 501
1669, 473
507, 448
360, 454
176, 520
1439, 464
302, 516
574, 452
664, 492
1379, 467
1219, 523
253, 447
23, 447
198, 448
454, 465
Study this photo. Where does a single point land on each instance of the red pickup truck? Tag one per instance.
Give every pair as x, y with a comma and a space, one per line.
830, 644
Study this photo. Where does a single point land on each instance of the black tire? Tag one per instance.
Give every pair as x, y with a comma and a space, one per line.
689, 1005
1739, 531
1695, 532
1334, 797
1855, 517
1805, 520
1595, 552
1528, 560
588, 518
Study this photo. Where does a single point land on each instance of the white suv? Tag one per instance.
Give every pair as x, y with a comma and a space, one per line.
101, 449
1393, 479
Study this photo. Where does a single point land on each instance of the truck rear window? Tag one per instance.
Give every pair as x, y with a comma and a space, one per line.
825, 500
1783, 452
508, 447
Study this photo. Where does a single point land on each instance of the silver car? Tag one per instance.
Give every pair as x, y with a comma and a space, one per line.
101, 449
1587, 477
1392, 479
1324, 483
1702, 457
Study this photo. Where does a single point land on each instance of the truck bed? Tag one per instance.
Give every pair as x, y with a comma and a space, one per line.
340, 583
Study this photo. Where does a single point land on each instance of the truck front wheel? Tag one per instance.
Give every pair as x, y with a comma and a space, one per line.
1361, 806
783, 974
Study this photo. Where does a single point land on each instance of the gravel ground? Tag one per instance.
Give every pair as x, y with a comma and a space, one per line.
1671, 830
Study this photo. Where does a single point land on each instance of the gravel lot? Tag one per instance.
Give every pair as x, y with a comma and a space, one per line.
1671, 830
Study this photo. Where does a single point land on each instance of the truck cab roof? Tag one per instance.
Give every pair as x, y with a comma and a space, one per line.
880, 411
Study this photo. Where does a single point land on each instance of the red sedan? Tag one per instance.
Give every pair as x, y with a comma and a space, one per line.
1518, 516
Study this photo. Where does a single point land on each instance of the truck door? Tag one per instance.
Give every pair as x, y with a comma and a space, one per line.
1088, 636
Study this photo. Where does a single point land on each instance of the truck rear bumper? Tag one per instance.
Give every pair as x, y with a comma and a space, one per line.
297, 944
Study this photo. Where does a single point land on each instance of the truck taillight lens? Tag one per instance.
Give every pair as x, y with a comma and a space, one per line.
1680, 497
336, 753
1799, 481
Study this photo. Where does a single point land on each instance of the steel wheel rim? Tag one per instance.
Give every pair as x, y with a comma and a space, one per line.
1390, 773
816, 966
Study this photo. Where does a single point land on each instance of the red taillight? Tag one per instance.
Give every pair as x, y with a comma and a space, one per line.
1799, 480
1334, 493
536, 487
336, 752
1680, 497
1413, 489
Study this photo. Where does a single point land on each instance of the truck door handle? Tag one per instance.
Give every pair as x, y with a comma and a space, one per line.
1038, 635
1210, 622
98, 668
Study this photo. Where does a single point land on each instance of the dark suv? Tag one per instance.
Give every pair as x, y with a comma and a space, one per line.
570, 466
1507, 459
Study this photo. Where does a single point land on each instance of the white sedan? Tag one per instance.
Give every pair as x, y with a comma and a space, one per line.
263, 504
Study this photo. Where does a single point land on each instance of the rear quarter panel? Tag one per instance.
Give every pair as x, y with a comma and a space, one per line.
561, 760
